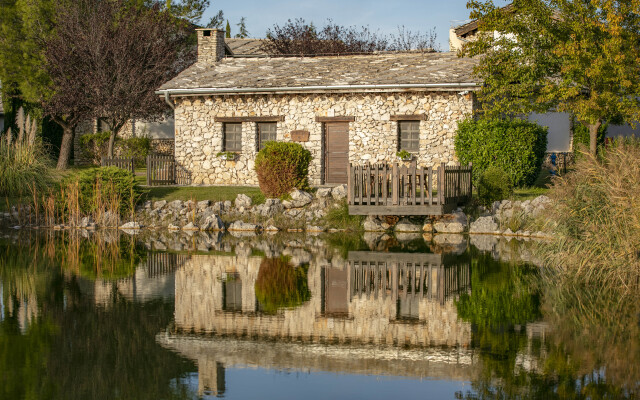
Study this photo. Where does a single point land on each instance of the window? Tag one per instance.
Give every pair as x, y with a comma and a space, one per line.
232, 137
266, 132
409, 132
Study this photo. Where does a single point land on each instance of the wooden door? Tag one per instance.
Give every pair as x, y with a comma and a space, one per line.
336, 292
336, 152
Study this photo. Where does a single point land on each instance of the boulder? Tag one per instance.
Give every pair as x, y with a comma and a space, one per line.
315, 228
131, 225
159, 204
173, 227
323, 192
212, 223
484, 225
404, 225
190, 227
374, 224
452, 223
299, 199
339, 192
242, 200
203, 204
270, 208
427, 226
243, 227
86, 222
271, 228
176, 205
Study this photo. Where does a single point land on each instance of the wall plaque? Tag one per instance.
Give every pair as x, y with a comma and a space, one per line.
300, 136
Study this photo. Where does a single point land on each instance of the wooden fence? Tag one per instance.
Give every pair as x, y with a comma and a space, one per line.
124, 163
382, 189
163, 170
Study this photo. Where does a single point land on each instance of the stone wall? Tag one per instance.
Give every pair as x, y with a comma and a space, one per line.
373, 136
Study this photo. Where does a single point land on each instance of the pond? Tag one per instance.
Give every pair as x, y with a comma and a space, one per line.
174, 316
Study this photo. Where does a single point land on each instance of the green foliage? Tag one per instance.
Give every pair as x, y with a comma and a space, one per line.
339, 217
98, 186
281, 167
494, 184
281, 285
550, 53
515, 146
95, 145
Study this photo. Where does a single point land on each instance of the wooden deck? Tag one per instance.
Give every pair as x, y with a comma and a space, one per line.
382, 189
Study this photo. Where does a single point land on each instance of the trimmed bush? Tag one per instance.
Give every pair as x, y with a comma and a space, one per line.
281, 285
282, 167
494, 184
106, 186
515, 146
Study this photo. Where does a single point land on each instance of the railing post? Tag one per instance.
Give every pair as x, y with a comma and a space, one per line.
470, 174
350, 188
148, 169
441, 183
394, 190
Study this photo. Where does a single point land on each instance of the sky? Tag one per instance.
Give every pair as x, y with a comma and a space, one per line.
383, 15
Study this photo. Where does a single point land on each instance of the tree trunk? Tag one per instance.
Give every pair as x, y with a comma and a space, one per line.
112, 139
65, 147
593, 137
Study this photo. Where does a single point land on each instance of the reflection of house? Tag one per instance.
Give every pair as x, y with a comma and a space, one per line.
377, 313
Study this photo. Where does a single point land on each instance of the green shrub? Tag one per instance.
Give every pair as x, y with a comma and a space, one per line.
515, 146
95, 146
136, 147
281, 167
105, 188
494, 184
281, 285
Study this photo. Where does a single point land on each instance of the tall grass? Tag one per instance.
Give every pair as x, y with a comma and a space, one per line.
23, 160
596, 218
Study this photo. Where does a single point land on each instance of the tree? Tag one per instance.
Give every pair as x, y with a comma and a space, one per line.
216, 20
106, 60
574, 56
242, 29
228, 30
191, 10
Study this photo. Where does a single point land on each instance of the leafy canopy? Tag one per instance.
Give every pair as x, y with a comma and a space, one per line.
577, 56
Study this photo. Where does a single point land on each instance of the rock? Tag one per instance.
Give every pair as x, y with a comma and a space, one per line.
484, 242
227, 205
427, 227
242, 200
483, 225
452, 223
293, 212
131, 225
242, 226
86, 221
173, 227
147, 204
339, 192
314, 228
299, 199
190, 227
203, 204
270, 208
271, 228
212, 223
189, 204
404, 225
508, 232
406, 237
176, 205
159, 204
374, 224
323, 192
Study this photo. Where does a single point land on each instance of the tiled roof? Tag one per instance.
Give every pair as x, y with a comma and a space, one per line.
245, 47
296, 72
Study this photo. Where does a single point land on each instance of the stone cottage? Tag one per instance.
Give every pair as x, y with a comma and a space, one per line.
344, 109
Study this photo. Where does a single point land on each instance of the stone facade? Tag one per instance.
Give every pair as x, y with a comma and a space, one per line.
373, 135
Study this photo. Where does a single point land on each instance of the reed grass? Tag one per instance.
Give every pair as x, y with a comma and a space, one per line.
596, 220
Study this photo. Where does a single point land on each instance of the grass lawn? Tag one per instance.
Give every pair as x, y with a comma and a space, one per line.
198, 193
540, 187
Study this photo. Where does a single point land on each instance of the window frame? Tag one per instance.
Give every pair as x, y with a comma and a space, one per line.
225, 137
411, 131
259, 141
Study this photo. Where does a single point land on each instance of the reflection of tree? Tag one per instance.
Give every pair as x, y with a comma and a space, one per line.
281, 285
75, 350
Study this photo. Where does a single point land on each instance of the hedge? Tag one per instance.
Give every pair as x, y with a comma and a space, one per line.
515, 146
282, 166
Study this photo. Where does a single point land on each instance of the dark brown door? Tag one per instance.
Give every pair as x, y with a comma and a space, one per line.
336, 292
336, 153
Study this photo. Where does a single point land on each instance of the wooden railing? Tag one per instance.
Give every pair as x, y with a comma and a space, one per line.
124, 163
163, 170
407, 189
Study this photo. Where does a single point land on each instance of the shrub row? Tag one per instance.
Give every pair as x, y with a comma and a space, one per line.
95, 147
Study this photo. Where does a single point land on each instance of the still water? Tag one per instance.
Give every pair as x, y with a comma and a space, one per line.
176, 316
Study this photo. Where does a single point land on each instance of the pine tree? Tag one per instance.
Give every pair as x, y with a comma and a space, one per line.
242, 28
228, 29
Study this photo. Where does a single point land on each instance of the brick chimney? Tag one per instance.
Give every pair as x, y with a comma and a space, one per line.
210, 45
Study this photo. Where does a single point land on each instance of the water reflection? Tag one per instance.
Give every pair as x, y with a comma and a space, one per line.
181, 316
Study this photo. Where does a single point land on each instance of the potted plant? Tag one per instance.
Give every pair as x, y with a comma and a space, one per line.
404, 155
227, 155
